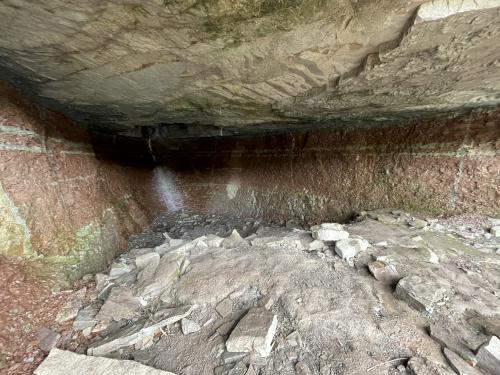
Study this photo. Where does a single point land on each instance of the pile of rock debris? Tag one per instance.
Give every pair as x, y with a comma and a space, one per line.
387, 293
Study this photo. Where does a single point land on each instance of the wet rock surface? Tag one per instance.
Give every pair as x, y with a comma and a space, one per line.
243, 296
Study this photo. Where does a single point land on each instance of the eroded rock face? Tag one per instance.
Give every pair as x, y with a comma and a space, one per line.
234, 63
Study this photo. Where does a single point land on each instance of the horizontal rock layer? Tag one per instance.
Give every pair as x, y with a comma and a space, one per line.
59, 203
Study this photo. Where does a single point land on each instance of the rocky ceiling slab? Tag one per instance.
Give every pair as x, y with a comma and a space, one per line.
249, 64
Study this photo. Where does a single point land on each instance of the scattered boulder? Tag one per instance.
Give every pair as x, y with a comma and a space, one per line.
329, 232
254, 333
384, 271
62, 362
488, 356
47, 339
348, 248
458, 364
189, 326
423, 295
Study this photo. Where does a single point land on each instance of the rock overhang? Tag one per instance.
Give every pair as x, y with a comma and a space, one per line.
237, 67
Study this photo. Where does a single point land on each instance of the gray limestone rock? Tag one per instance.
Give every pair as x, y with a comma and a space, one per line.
225, 307
85, 319
119, 269
254, 333
142, 261
71, 308
138, 333
488, 356
458, 364
423, 366
452, 339
234, 240
121, 304
188, 326
47, 339
384, 271
422, 294
348, 248
62, 362
329, 232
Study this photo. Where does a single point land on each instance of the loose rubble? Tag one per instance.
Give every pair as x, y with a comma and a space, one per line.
388, 293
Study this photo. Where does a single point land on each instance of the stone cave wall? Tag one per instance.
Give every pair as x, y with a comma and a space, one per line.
59, 203
437, 167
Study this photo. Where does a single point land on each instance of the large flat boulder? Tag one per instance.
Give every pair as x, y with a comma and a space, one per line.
63, 362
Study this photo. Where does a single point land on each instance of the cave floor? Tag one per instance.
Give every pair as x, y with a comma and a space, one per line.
192, 296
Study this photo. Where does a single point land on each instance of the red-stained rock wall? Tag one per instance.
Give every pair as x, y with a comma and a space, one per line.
439, 167
58, 202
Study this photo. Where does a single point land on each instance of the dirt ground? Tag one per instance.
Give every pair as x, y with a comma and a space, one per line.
28, 302
348, 321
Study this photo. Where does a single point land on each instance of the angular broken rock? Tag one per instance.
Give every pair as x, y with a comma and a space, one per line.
142, 261
495, 231
213, 241
384, 271
121, 304
458, 364
317, 245
188, 326
488, 356
294, 339
451, 339
85, 319
301, 368
170, 268
138, 333
71, 308
298, 240
423, 366
239, 369
119, 269
254, 333
62, 362
225, 307
348, 248
423, 295
47, 339
329, 232
418, 223
234, 240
